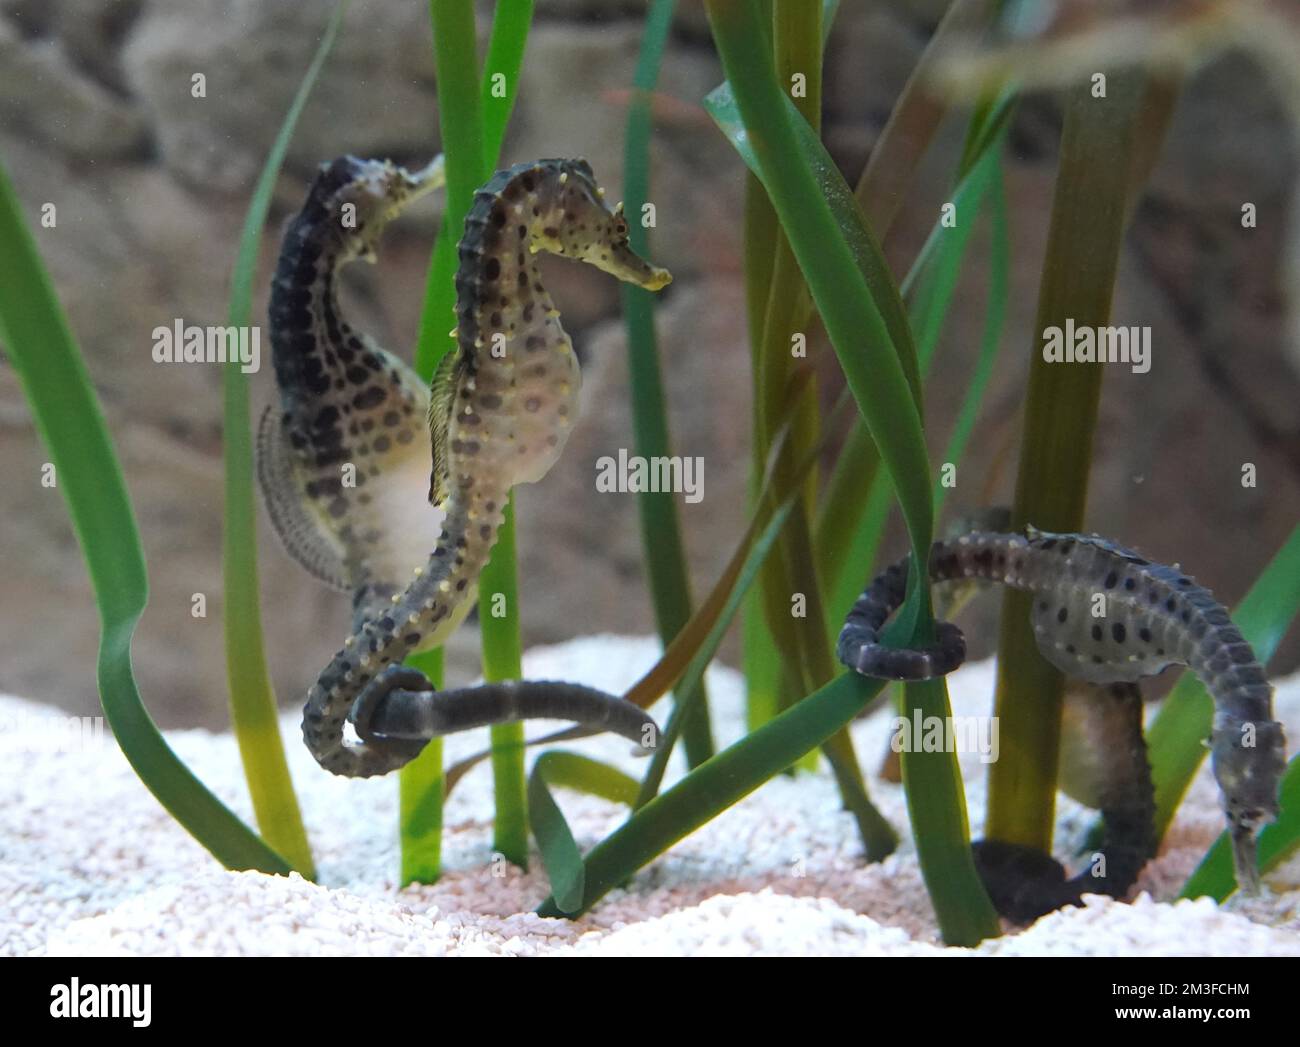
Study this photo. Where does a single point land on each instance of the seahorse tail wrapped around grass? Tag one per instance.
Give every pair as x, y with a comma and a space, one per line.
1105, 615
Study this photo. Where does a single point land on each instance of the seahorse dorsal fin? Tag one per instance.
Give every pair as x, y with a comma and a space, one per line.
442, 395
304, 537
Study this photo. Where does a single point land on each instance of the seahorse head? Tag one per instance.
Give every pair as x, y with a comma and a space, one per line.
591, 232
362, 196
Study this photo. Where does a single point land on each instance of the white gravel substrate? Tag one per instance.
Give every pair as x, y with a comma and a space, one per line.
91, 864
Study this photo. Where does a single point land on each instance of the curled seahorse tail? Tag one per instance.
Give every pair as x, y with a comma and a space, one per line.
859, 645
411, 622
407, 715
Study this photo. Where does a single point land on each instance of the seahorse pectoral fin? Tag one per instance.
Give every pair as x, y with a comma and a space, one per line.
303, 535
442, 396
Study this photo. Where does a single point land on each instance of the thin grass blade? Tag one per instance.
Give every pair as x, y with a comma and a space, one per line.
661, 537
560, 856
883, 378
1084, 241
421, 781
44, 354
252, 701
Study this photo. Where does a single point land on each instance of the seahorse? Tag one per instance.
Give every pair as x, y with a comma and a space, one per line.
499, 411
1155, 617
343, 463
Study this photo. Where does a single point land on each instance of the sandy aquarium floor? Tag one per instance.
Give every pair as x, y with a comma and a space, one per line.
91, 864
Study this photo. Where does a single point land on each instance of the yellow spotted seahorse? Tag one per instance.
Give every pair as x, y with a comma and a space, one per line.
339, 462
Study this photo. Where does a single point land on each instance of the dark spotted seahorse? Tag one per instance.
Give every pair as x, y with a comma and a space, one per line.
343, 463
1155, 616
499, 411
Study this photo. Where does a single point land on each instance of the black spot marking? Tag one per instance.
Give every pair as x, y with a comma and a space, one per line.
1118, 632
326, 417
1096, 633
1144, 634
371, 397
1112, 580
1062, 615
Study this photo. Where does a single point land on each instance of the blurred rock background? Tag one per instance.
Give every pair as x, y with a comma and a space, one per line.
151, 184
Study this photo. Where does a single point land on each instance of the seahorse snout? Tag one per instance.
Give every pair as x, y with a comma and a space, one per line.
621, 261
